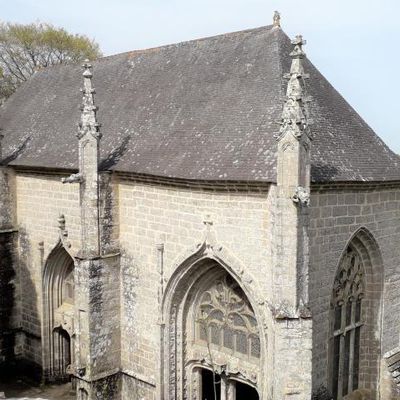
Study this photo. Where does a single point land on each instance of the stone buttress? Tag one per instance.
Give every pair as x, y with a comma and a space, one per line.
97, 286
290, 277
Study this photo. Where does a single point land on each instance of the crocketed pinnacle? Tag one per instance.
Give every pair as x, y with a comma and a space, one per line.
294, 115
88, 122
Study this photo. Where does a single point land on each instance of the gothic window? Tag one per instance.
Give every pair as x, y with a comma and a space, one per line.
68, 288
347, 323
226, 319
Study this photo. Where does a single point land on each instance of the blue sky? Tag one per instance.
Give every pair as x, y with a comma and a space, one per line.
353, 43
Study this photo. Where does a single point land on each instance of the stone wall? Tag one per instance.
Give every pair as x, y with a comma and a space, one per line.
336, 215
40, 199
242, 219
152, 214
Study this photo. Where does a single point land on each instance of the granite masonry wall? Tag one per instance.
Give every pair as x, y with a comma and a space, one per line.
242, 220
154, 214
40, 199
337, 215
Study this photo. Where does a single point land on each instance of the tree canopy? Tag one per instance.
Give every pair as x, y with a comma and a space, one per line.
24, 49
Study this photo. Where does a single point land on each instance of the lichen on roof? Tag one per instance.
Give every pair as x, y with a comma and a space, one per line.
207, 109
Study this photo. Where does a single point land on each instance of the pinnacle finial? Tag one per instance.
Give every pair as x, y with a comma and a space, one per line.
277, 19
87, 73
88, 116
298, 44
294, 115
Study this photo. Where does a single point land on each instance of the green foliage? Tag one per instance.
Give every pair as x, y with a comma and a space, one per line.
24, 49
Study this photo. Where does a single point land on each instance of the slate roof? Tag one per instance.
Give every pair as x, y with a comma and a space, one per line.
202, 110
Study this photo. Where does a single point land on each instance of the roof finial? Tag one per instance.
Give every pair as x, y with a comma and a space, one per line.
88, 116
294, 115
277, 19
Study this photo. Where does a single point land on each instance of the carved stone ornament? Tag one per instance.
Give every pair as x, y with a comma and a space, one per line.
74, 178
277, 19
393, 363
301, 196
231, 369
88, 123
294, 119
349, 281
63, 232
225, 318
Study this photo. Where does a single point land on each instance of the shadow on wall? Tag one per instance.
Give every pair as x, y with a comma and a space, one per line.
21, 317
7, 302
322, 393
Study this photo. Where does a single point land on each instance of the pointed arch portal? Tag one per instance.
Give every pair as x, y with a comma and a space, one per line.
212, 342
58, 314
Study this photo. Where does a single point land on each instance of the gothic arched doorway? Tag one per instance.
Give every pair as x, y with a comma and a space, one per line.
58, 314
355, 318
212, 342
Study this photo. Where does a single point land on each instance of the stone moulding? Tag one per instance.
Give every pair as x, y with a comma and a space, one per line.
393, 364
187, 267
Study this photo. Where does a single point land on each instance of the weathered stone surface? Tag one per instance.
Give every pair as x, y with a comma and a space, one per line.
117, 267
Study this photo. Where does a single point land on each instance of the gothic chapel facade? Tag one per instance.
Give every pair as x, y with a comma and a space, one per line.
232, 221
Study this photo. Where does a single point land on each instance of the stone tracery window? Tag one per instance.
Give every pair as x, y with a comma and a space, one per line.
225, 319
348, 292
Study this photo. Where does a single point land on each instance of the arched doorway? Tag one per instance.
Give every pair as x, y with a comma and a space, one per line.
58, 314
355, 318
212, 340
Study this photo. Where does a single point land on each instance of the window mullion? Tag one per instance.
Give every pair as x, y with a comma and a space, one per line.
351, 356
342, 351
224, 388
231, 390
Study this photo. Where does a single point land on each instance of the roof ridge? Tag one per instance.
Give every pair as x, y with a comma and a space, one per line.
184, 42
151, 49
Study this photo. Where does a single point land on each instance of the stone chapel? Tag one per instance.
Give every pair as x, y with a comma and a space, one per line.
220, 225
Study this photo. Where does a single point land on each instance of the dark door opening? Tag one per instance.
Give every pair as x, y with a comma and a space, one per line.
62, 355
208, 392
245, 392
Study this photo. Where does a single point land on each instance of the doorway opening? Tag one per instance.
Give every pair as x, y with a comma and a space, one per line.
211, 385
215, 387
245, 392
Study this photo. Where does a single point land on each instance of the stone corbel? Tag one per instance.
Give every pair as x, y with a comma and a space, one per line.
74, 178
301, 196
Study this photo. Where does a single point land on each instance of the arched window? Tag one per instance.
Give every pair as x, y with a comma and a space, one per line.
225, 319
348, 292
